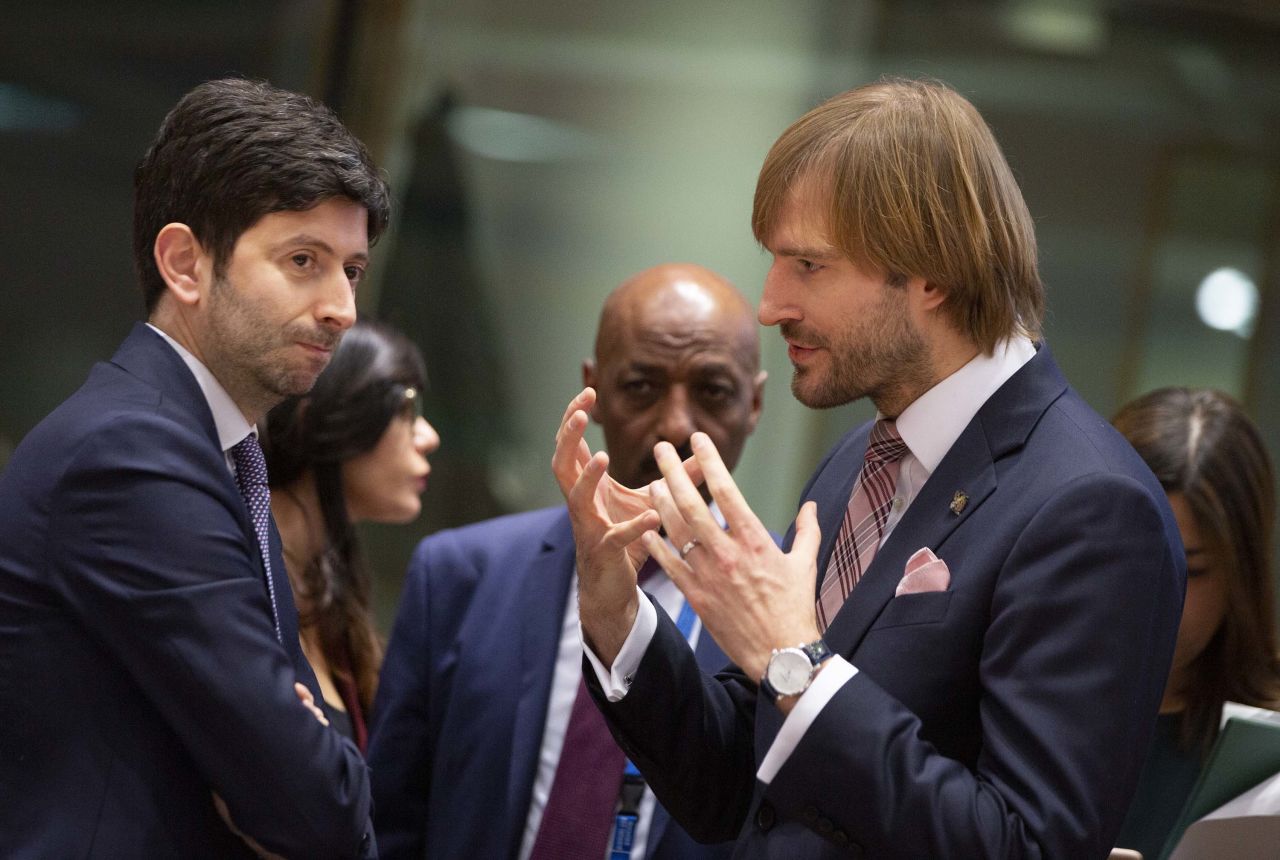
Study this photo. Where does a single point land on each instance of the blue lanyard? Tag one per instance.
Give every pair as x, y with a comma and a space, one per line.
624, 823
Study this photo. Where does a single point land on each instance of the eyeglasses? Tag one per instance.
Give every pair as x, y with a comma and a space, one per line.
411, 408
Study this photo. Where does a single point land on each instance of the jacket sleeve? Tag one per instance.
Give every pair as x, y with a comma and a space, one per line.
690, 734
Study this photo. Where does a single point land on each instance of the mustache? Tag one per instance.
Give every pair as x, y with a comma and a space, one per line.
322, 337
794, 331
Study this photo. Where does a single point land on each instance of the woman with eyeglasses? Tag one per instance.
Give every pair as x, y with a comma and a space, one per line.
352, 450
1212, 462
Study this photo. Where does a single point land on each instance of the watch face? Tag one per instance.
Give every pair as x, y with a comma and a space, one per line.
789, 671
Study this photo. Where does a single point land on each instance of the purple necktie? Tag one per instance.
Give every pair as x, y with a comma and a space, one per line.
864, 519
251, 478
579, 813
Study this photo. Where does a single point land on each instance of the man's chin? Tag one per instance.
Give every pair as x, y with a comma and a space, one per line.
294, 384
814, 392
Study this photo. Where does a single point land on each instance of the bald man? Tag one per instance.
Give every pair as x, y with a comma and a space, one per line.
483, 741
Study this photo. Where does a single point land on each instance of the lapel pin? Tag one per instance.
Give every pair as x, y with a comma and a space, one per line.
958, 501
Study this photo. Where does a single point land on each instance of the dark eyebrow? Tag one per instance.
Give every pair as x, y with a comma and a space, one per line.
315, 242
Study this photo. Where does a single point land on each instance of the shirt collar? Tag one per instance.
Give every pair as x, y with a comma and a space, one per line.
935, 420
227, 417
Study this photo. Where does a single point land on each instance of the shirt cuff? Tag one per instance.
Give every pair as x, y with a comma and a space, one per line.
833, 676
616, 681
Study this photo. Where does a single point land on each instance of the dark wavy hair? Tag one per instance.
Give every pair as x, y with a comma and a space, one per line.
344, 415
1200, 443
234, 150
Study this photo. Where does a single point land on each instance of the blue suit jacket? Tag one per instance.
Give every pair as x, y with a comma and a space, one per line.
462, 702
1007, 716
139, 665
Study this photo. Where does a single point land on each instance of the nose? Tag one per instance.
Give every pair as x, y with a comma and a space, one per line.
335, 306
425, 437
675, 423
774, 301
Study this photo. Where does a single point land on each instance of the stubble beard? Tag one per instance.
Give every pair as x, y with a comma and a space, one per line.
252, 353
884, 358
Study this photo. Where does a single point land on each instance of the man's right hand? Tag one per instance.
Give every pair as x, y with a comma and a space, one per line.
608, 520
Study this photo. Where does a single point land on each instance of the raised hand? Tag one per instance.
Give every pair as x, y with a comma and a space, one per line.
751, 596
607, 519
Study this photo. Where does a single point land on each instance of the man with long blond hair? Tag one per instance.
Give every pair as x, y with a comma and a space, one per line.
961, 647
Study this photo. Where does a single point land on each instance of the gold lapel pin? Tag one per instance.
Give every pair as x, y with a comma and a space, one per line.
958, 501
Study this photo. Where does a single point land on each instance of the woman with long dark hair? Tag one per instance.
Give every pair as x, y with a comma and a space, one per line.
353, 449
1211, 460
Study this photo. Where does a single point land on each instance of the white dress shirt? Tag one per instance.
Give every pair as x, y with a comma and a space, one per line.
929, 426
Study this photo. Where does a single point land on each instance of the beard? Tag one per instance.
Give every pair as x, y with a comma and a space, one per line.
881, 357
255, 356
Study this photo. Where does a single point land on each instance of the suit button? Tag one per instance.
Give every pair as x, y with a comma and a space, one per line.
765, 816
825, 826
810, 814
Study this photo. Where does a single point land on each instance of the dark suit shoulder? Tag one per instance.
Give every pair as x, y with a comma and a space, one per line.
1072, 441
477, 546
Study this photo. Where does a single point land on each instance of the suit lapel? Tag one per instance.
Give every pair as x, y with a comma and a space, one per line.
967, 467
540, 605
999, 428
147, 356
831, 489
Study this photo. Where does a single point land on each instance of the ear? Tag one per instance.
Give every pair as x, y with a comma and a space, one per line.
925, 295
182, 262
590, 379
757, 399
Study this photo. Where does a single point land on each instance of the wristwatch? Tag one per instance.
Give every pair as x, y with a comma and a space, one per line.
791, 670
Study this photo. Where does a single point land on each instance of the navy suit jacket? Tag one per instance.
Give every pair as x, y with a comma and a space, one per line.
462, 702
139, 665
1006, 716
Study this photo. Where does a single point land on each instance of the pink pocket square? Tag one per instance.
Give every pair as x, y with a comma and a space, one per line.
924, 572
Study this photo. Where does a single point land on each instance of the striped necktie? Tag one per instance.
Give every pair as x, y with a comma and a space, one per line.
864, 519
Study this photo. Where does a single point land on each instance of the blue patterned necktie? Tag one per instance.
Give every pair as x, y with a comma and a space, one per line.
251, 478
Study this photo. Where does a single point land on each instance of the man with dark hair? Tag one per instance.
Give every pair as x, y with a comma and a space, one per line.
484, 743
150, 668
961, 649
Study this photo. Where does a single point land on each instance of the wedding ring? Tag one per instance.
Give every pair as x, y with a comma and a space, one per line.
689, 547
